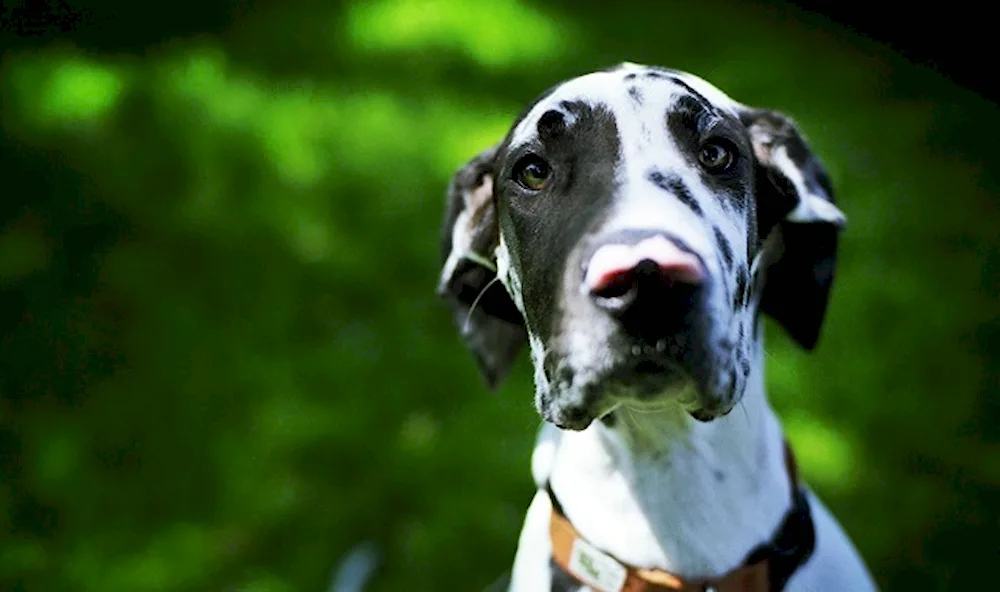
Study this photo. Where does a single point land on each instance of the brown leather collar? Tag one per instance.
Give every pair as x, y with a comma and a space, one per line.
767, 568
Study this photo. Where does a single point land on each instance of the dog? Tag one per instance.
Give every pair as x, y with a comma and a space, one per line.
632, 228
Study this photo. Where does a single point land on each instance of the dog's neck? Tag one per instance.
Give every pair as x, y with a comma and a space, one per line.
658, 489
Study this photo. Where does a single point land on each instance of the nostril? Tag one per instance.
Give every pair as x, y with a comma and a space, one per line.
614, 285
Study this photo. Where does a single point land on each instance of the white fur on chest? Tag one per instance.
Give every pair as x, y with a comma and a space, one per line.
695, 507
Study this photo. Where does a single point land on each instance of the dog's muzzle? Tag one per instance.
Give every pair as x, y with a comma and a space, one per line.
646, 280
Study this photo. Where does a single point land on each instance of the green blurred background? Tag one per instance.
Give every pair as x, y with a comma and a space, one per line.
222, 363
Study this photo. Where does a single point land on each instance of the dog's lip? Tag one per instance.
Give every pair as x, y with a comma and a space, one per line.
650, 360
575, 419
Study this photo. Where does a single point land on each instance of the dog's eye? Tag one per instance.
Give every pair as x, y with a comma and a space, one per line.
531, 172
716, 156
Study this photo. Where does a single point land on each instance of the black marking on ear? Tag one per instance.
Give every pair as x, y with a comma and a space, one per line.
724, 246
636, 94
745, 366
678, 188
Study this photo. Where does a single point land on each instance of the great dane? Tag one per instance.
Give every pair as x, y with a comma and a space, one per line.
631, 228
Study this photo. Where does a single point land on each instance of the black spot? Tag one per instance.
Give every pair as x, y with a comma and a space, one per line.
719, 475
741, 288
610, 419
630, 76
655, 74
678, 188
573, 106
725, 248
745, 366
636, 94
564, 375
551, 124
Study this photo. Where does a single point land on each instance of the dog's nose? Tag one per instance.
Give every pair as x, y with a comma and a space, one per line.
622, 278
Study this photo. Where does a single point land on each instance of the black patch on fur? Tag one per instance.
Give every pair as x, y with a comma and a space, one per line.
705, 103
724, 247
551, 124
636, 94
541, 228
776, 198
630, 76
610, 419
655, 74
691, 123
740, 293
678, 188
719, 475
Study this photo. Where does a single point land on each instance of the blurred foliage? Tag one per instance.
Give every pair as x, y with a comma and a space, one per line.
222, 364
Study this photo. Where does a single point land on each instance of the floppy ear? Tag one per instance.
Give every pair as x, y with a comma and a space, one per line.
794, 201
486, 316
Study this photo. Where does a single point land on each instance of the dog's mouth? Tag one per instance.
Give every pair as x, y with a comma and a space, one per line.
644, 378
648, 376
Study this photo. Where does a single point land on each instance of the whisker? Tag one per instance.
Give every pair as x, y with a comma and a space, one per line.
745, 413
468, 316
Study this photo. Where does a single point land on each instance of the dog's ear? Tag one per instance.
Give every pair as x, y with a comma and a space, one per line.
795, 202
486, 316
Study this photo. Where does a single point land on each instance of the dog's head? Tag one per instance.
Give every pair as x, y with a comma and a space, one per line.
639, 221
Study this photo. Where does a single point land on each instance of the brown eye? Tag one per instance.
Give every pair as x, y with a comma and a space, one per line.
715, 156
531, 172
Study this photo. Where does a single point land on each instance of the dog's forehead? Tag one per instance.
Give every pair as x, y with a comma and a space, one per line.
627, 89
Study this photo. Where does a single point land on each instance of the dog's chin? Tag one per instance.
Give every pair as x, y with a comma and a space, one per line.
646, 384
707, 408
643, 385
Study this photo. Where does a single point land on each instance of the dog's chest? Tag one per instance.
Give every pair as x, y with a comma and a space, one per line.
696, 509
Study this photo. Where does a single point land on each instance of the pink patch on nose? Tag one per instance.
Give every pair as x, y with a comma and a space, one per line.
613, 264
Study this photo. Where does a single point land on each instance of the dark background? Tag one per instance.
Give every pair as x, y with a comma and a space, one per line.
222, 365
